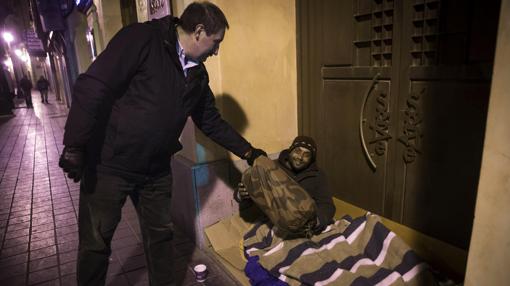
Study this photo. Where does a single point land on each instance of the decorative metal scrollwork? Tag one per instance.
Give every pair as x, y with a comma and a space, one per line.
380, 124
411, 133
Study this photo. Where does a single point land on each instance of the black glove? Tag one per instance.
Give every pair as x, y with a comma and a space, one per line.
72, 161
241, 194
253, 154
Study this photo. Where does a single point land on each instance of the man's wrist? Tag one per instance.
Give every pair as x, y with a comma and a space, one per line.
248, 154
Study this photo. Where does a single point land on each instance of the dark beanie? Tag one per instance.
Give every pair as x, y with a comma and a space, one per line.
305, 142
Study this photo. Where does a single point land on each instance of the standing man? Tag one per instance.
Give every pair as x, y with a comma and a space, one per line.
26, 87
43, 85
128, 111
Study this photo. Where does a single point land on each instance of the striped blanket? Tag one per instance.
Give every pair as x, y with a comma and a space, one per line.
359, 251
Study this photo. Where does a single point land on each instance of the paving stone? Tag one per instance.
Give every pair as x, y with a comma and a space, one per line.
68, 237
122, 233
69, 280
42, 228
19, 219
43, 252
117, 280
38, 244
18, 280
66, 222
138, 277
133, 262
43, 263
68, 268
68, 256
18, 226
20, 213
42, 275
42, 220
55, 282
42, 209
63, 210
13, 270
67, 229
16, 233
43, 235
16, 241
14, 250
68, 246
124, 242
13, 260
128, 251
114, 267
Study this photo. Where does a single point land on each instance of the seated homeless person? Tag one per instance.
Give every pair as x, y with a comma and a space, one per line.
298, 161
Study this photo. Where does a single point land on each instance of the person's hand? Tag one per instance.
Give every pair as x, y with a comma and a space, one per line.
241, 193
320, 226
253, 154
72, 161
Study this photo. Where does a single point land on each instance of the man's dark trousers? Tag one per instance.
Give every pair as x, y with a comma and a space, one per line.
44, 95
101, 199
28, 98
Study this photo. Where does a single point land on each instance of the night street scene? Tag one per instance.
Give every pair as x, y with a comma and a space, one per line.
254, 142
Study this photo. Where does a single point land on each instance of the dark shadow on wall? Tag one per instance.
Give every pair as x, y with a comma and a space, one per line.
232, 112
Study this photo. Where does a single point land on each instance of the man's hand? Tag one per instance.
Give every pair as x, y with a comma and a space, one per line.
72, 161
253, 154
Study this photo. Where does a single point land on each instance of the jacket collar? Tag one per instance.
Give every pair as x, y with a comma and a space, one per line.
167, 26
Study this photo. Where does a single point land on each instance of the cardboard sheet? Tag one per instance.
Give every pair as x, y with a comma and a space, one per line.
226, 237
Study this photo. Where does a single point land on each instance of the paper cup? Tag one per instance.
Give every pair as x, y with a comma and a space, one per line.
200, 272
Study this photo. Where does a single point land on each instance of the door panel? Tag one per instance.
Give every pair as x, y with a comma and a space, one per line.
344, 106
334, 13
439, 149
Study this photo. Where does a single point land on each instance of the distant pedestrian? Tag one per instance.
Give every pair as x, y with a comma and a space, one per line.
26, 87
42, 85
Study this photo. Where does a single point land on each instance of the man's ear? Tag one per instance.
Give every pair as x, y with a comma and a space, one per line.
198, 30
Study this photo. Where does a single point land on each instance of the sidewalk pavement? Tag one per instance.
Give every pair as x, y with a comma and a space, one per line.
39, 208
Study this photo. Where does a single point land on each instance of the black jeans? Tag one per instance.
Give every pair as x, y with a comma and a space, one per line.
101, 199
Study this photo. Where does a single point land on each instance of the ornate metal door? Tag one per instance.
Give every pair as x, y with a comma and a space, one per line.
396, 93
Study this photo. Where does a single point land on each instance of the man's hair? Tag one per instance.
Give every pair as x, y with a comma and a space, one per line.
204, 13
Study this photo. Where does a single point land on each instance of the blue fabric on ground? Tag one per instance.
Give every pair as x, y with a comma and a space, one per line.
260, 276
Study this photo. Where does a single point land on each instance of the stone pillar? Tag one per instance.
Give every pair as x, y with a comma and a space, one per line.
489, 252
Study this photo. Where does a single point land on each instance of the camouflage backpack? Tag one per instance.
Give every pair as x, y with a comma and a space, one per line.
285, 203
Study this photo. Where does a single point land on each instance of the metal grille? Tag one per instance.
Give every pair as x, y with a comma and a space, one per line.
425, 32
374, 32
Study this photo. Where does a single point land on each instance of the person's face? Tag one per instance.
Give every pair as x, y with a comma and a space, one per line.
300, 158
206, 45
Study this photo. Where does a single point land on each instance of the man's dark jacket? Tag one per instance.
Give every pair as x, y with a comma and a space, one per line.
43, 84
26, 85
313, 180
130, 106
